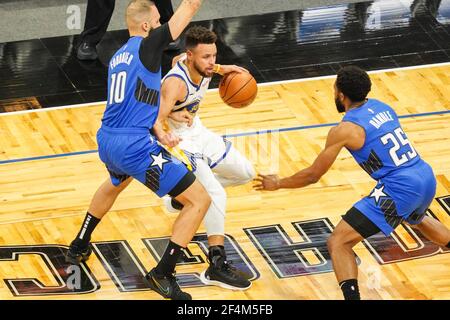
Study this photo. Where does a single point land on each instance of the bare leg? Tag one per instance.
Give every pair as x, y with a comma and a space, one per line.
105, 196
195, 202
340, 245
434, 230
101, 203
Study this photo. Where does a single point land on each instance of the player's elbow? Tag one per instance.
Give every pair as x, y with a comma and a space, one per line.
195, 4
313, 177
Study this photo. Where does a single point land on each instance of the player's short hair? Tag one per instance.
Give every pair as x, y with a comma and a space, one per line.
138, 11
199, 35
142, 4
354, 83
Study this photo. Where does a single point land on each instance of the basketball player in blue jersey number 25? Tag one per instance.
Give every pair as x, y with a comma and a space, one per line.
370, 130
127, 140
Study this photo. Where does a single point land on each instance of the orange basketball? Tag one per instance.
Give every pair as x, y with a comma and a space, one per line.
238, 90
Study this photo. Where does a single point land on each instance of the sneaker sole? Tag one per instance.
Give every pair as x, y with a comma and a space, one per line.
77, 261
155, 289
221, 284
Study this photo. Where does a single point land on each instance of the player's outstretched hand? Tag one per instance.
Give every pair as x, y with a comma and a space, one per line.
182, 116
224, 69
270, 182
170, 139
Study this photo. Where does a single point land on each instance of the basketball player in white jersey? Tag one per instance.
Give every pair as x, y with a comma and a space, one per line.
215, 162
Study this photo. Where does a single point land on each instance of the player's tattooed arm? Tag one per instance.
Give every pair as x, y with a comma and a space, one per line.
338, 137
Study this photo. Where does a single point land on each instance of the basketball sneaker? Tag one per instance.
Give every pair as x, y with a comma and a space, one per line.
76, 255
222, 273
167, 286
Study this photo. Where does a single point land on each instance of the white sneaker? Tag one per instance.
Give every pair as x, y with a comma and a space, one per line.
168, 204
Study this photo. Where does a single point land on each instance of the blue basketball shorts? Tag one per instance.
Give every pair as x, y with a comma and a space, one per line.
404, 195
134, 152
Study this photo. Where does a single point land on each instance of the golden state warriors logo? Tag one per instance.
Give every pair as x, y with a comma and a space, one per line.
192, 108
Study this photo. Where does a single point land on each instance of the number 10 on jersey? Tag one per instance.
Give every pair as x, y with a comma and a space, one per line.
117, 87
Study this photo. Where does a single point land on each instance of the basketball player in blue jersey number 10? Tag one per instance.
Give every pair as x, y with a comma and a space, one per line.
213, 160
127, 140
370, 130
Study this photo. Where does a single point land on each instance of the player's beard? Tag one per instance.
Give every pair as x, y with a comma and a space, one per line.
202, 73
339, 105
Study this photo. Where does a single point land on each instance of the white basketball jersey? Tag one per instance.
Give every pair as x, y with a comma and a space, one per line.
192, 100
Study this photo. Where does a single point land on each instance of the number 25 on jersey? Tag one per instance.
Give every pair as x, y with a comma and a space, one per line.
398, 139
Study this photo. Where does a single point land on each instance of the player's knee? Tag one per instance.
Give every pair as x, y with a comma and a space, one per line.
332, 243
336, 241
204, 201
195, 197
201, 200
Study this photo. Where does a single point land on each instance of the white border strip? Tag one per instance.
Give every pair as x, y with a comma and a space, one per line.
423, 66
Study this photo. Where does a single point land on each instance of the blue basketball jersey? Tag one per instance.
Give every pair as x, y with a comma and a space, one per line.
133, 91
125, 143
406, 184
386, 148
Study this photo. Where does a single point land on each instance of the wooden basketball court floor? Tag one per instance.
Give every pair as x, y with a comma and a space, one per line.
49, 170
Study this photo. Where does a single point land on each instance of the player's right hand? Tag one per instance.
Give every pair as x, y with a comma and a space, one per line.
225, 69
170, 139
182, 116
270, 182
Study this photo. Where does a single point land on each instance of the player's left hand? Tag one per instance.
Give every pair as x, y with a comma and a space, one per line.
224, 69
169, 139
270, 182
